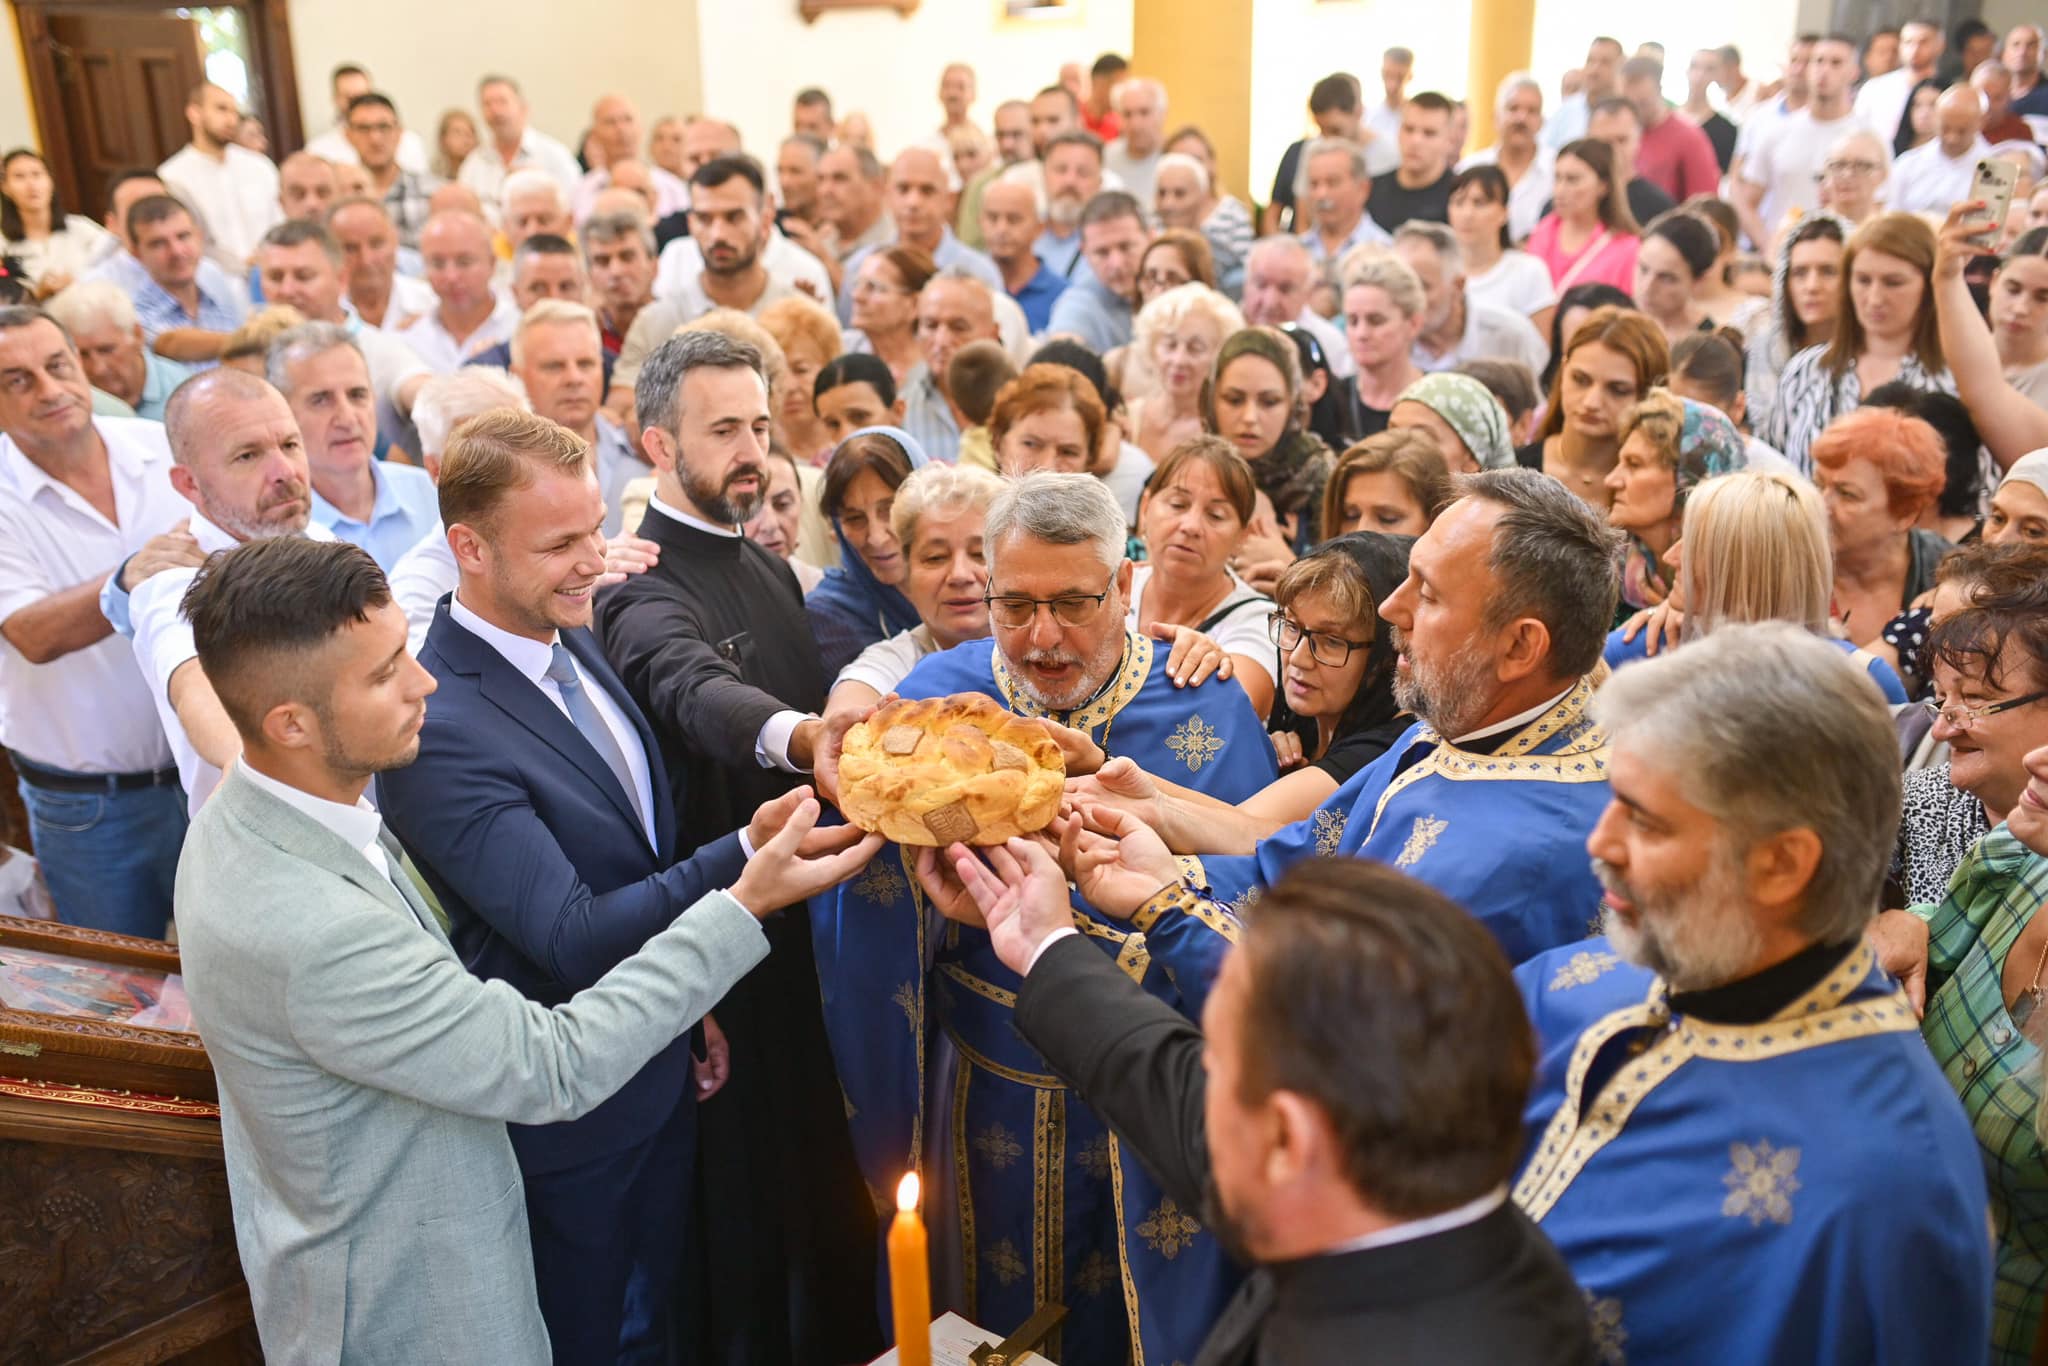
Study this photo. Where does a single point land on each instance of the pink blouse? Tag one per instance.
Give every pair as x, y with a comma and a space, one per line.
1612, 260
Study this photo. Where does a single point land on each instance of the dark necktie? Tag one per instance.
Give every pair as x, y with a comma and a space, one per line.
584, 715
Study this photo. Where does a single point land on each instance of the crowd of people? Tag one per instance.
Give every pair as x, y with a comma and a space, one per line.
1548, 644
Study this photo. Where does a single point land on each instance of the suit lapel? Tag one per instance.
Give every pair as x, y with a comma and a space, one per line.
521, 699
590, 658
302, 837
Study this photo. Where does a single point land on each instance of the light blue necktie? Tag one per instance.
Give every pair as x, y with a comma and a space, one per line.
584, 715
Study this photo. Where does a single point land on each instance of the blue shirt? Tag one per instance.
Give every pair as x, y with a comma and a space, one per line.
1366, 231
1061, 255
1620, 652
160, 376
220, 307
928, 417
952, 254
1089, 311
406, 508
1037, 295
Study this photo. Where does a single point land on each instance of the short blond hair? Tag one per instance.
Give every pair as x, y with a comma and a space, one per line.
543, 312
496, 453
939, 491
1756, 549
253, 337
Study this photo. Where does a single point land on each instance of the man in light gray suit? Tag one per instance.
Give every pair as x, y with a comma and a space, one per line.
365, 1076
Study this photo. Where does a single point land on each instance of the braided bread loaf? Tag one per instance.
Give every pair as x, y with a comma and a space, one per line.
950, 769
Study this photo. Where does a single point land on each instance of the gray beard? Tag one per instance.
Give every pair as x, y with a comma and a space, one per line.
1452, 696
1697, 938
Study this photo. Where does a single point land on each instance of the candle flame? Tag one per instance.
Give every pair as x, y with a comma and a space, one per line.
906, 1193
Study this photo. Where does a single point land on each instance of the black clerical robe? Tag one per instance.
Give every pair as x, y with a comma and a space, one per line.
1491, 1291
712, 642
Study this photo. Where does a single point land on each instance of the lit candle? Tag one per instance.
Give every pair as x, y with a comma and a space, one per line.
910, 1292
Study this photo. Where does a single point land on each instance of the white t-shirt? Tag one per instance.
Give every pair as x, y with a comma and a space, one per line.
237, 195
888, 662
333, 145
682, 261
1242, 631
437, 348
1786, 161
1516, 283
1881, 103
1924, 180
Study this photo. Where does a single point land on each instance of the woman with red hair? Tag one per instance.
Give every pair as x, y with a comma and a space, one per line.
1878, 471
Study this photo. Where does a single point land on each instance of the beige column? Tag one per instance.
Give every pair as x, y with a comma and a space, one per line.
1201, 50
1501, 36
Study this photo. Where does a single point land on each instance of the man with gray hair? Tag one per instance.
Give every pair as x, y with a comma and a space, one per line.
1530, 166
1012, 217
380, 505
117, 359
714, 646
1133, 157
1331, 191
1058, 590
1499, 626
1729, 1073
1279, 286
1455, 328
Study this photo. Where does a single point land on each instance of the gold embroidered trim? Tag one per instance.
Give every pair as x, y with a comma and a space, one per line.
1131, 674
985, 989
963, 1197
969, 1053
1123, 1247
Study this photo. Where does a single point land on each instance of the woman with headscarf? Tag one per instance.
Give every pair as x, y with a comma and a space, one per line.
1336, 711
1470, 426
2019, 509
859, 602
1668, 445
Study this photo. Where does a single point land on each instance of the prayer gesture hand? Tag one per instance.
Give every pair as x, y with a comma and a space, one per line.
1119, 869
1020, 893
1900, 939
798, 860
1194, 656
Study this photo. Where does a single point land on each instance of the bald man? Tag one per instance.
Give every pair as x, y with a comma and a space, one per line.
1936, 174
467, 316
616, 125
306, 187
919, 195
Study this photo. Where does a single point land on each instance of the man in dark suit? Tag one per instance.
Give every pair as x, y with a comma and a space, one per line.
542, 816
1347, 1116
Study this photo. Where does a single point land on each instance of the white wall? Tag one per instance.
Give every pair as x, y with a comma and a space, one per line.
1762, 29
1296, 43
428, 54
758, 53
17, 120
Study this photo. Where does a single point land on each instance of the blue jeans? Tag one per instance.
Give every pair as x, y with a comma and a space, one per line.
109, 857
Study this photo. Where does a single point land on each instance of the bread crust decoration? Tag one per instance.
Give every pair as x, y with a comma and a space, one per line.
947, 770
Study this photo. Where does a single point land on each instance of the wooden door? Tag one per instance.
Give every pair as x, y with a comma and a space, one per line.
122, 82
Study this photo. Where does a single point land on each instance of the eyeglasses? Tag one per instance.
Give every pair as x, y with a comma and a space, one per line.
1838, 169
1323, 647
1068, 609
1963, 718
383, 127
1165, 279
878, 287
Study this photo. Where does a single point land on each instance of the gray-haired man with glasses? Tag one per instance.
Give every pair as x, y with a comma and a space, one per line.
1060, 648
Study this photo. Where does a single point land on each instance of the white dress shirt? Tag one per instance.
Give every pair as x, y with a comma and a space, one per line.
1515, 722
1927, 180
358, 826
484, 171
1490, 334
437, 348
163, 643
333, 145
532, 658
237, 195
88, 712
1881, 102
422, 577
771, 746
1469, 1213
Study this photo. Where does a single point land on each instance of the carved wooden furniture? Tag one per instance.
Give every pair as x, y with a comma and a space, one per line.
116, 1239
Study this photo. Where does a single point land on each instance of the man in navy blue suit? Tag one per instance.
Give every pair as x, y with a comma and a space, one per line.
541, 814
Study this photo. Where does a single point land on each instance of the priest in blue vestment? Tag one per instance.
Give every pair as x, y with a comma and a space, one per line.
1490, 795
1029, 1197
1736, 1138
